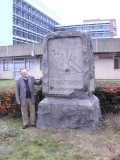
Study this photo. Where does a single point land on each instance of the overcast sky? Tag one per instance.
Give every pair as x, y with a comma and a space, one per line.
75, 11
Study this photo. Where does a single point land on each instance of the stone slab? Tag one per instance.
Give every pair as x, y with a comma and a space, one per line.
69, 113
68, 64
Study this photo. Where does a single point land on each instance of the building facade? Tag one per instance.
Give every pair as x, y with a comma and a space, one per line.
25, 21
98, 28
106, 53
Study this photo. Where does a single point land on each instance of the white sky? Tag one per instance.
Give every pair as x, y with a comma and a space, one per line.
75, 11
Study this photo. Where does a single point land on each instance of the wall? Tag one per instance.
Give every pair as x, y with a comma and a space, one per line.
6, 75
9, 74
36, 74
106, 45
99, 45
104, 69
21, 50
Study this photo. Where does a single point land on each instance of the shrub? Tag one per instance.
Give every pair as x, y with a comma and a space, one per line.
8, 105
109, 97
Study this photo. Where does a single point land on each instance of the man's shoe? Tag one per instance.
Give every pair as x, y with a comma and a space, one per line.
24, 126
33, 125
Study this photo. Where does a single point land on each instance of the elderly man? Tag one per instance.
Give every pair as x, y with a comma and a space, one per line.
25, 96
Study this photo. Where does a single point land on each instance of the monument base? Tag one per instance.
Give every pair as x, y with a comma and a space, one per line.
69, 113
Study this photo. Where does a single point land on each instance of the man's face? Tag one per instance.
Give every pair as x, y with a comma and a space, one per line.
24, 73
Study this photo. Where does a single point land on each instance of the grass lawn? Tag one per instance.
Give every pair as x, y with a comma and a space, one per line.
60, 144
7, 83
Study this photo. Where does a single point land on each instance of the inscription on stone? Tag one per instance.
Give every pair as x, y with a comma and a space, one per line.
65, 65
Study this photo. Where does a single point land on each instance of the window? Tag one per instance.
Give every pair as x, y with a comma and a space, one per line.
69, 28
14, 20
34, 37
24, 35
30, 64
23, 14
77, 28
29, 17
38, 30
7, 65
24, 24
38, 39
24, 5
18, 65
37, 21
1, 64
14, 32
38, 13
18, 12
29, 36
18, 2
57, 29
18, 33
28, 26
18, 22
14, 10
62, 28
33, 11
117, 61
100, 26
41, 23
33, 19
29, 8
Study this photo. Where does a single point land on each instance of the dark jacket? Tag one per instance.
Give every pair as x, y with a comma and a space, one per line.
21, 89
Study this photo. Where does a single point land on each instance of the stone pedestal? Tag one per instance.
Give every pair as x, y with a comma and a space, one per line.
68, 82
69, 113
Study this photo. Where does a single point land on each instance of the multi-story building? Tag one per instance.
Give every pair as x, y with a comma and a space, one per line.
98, 28
25, 21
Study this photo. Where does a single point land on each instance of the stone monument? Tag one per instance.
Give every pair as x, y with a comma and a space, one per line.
68, 82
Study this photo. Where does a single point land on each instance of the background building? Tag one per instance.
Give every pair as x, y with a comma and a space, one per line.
98, 28
106, 52
25, 21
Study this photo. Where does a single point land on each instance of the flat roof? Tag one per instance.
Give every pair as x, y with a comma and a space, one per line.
86, 23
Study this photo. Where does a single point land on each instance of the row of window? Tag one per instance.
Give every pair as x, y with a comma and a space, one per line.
21, 41
30, 26
27, 7
21, 10
97, 26
102, 34
24, 34
31, 64
31, 17
83, 27
28, 35
17, 63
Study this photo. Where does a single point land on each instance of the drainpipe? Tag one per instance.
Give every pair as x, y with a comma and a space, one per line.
96, 46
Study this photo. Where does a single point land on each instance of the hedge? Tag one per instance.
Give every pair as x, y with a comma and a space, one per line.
109, 97
8, 105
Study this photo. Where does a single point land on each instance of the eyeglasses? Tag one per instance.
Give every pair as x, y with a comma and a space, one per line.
24, 72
